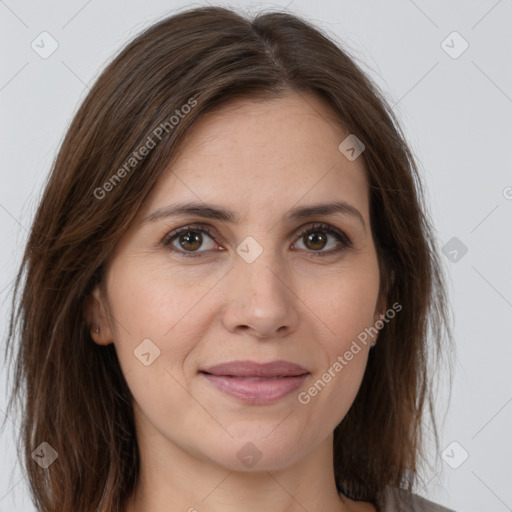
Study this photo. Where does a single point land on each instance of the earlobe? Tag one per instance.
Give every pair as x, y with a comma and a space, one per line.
380, 309
96, 318
380, 313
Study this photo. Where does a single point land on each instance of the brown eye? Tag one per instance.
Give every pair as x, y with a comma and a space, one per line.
315, 240
323, 236
190, 241
318, 240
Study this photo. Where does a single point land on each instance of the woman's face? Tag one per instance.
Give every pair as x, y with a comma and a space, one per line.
261, 284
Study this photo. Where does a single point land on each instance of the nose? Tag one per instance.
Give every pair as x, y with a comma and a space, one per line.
261, 301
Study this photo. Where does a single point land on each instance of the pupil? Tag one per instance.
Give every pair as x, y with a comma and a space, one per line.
191, 239
315, 238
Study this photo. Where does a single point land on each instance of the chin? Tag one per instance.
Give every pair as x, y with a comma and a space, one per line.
258, 452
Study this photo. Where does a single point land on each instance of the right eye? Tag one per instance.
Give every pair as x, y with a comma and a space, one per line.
188, 239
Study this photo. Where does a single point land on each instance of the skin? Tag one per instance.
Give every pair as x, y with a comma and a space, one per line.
258, 159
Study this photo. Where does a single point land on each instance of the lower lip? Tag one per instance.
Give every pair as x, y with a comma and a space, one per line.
256, 390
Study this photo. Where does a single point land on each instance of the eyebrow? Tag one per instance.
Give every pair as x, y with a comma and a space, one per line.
209, 211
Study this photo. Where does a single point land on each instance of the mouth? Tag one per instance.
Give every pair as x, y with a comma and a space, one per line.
256, 383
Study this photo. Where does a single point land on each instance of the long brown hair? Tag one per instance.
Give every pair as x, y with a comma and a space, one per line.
202, 57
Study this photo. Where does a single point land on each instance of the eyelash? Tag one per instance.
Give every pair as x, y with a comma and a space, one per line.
345, 241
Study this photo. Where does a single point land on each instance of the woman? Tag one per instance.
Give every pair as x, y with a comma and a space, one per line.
229, 284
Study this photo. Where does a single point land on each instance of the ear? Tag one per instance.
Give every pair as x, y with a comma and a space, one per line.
95, 313
381, 306
380, 309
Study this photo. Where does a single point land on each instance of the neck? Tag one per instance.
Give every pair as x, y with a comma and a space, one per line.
171, 478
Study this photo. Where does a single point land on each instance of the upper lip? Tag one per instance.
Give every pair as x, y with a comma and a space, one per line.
254, 369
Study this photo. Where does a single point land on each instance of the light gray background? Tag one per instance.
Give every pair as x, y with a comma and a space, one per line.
456, 114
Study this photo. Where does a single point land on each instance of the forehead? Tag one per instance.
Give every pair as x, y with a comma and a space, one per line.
264, 154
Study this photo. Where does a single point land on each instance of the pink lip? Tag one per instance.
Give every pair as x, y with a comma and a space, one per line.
256, 383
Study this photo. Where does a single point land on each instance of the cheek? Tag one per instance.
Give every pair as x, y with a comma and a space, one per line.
347, 308
147, 304
345, 303
149, 300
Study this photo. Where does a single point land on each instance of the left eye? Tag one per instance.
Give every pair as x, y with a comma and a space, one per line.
316, 238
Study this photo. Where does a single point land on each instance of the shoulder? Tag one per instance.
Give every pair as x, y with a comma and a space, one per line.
401, 500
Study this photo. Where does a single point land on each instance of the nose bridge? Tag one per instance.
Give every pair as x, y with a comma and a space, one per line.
260, 271
261, 295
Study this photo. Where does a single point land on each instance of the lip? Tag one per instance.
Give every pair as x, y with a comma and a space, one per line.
253, 369
256, 383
